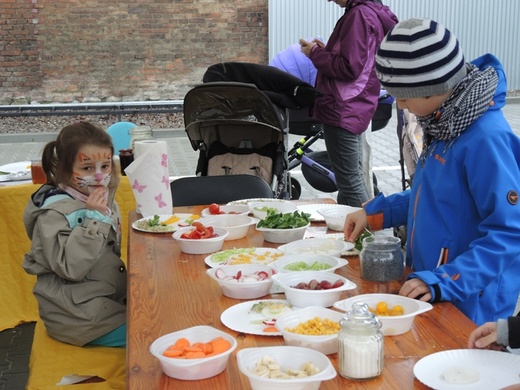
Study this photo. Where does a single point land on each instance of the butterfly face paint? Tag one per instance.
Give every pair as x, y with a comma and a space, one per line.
92, 168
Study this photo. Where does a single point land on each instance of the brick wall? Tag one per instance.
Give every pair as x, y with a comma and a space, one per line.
105, 50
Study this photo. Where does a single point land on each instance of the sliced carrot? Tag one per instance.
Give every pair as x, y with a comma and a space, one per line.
182, 343
183, 349
173, 352
195, 355
193, 349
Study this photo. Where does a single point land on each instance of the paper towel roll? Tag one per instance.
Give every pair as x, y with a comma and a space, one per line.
149, 177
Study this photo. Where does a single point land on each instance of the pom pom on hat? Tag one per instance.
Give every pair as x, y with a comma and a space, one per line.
419, 58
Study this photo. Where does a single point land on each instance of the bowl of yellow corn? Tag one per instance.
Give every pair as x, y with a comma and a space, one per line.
395, 312
312, 327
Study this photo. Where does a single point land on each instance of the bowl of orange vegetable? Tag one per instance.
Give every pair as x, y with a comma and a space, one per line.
194, 353
395, 312
200, 239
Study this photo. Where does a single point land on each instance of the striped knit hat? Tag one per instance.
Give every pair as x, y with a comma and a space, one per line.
419, 58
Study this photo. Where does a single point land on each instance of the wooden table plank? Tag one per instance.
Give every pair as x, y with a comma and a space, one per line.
169, 291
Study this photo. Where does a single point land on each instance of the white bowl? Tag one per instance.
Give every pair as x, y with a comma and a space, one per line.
303, 298
259, 209
329, 263
288, 357
323, 246
282, 236
238, 209
335, 215
391, 325
326, 344
249, 289
192, 369
202, 245
236, 225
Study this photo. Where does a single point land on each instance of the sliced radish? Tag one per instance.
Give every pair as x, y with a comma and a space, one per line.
262, 275
220, 274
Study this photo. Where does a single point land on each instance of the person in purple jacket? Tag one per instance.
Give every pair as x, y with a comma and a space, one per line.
347, 78
462, 212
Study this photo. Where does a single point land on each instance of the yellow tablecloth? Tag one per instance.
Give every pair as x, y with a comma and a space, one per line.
17, 303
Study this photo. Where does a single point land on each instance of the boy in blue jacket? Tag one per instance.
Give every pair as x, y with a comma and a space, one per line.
462, 211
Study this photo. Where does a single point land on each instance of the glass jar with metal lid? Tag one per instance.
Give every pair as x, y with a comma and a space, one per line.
360, 349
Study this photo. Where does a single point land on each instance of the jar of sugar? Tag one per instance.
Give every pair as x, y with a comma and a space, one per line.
360, 349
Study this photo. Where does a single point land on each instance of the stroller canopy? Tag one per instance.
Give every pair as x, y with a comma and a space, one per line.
293, 61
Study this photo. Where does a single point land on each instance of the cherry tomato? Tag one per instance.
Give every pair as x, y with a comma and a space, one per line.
214, 208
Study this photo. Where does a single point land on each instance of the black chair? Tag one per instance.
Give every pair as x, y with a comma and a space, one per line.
197, 190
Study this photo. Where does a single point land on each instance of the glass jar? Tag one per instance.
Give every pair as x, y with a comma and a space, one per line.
360, 349
140, 133
381, 259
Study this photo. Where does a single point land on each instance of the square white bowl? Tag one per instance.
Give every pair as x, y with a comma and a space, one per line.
259, 209
192, 369
237, 225
329, 263
303, 298
391, 325
201, 245
242, 290
326, 344
282, 236
335, 215
322, 246
288, 357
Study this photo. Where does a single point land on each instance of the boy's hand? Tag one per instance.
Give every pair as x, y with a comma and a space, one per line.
355, 223
416, 289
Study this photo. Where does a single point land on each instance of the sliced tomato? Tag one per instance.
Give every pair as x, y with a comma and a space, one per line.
193, 234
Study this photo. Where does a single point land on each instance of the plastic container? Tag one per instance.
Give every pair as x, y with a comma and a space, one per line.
391, 325
304, 262
360, 351
303, 298
192, 369
37, 174
287, 357
236, 225
242, 290
202, 245
326, 344
381, 259
283, 236
335, 216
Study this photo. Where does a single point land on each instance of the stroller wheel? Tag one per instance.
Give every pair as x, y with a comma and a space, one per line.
296, 189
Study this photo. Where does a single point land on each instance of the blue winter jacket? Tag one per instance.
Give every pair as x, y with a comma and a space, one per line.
463, 216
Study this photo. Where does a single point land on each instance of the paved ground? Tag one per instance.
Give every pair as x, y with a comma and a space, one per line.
15, 343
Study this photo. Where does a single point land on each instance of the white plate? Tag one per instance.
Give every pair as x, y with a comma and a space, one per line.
246, 201
312, 209
184, 219
17, 171
240, 318
496, 369
230, 256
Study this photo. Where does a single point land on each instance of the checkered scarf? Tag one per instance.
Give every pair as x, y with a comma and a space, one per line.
469, 100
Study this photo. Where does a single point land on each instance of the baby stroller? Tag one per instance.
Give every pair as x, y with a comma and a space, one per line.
238, 121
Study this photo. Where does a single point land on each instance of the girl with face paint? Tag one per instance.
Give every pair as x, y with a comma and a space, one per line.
74, 226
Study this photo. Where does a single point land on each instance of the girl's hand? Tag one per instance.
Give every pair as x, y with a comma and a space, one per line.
355, 223
97, 200
318, 42
306, 46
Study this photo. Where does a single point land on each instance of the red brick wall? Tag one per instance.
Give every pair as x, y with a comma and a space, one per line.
107, 50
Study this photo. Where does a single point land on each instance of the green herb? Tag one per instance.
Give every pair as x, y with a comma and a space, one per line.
359, 241
153, 221
276, 220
